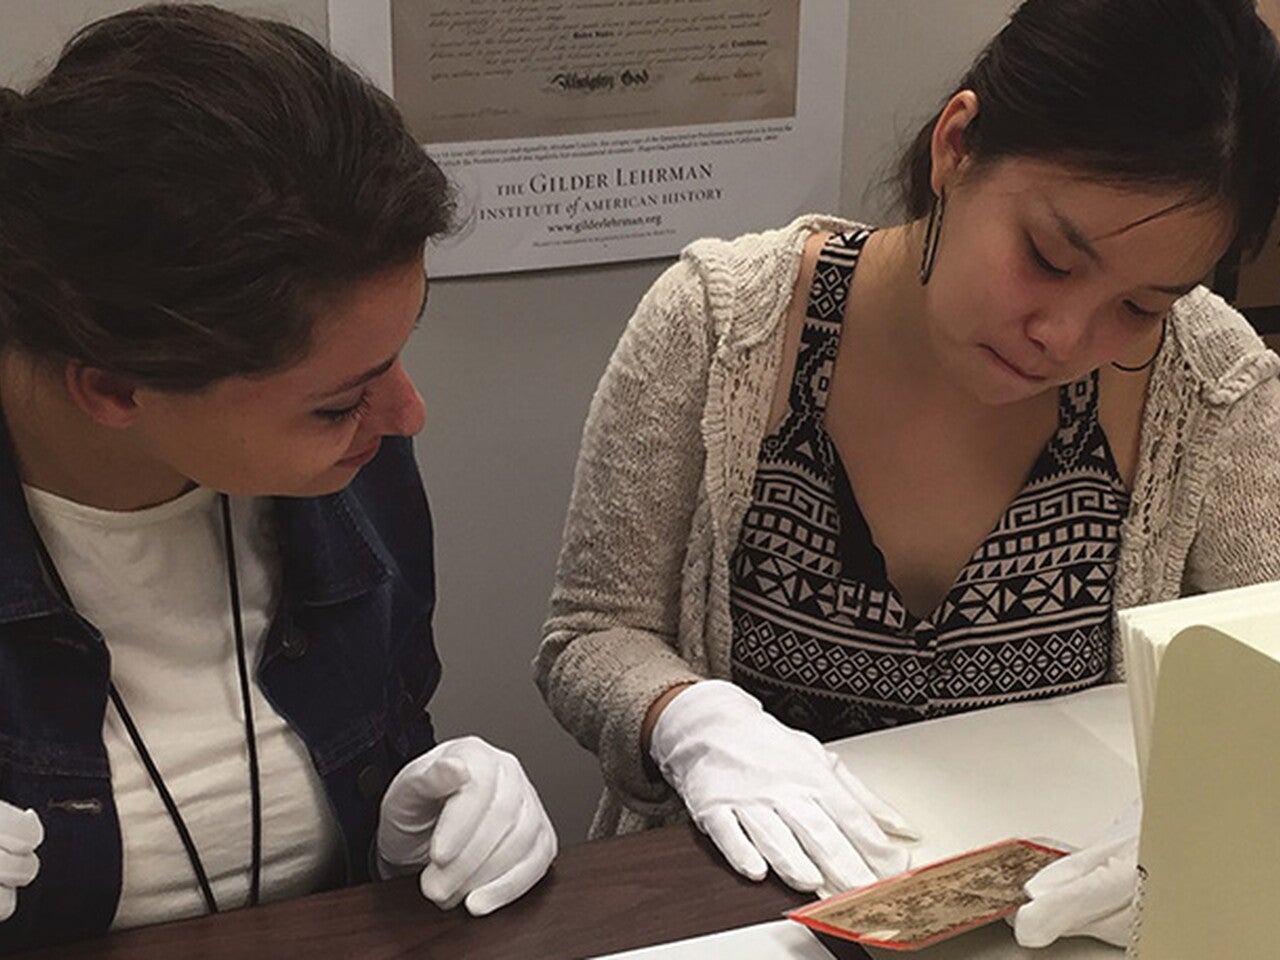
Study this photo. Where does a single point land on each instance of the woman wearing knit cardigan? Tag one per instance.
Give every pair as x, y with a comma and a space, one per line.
789, 461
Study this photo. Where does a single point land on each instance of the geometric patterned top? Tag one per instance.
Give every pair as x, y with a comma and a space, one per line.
820, 634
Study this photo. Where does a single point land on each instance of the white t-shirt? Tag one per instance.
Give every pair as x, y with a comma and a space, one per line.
155, 583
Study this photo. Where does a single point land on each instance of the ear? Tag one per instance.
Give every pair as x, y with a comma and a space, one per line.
109, 399
947, 146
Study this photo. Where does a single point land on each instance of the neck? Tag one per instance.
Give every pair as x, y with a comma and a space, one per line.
894, 309
62, 450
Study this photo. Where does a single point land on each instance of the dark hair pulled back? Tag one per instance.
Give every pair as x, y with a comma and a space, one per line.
187, 186
1161, 93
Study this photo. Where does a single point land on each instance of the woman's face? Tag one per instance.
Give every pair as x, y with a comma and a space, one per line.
1043, 275
308, 429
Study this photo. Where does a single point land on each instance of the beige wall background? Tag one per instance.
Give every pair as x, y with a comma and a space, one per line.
508, 365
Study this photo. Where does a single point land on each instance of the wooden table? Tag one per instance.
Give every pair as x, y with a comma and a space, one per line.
599, 898
1056, 768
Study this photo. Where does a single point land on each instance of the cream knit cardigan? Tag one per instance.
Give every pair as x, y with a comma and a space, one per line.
664, 477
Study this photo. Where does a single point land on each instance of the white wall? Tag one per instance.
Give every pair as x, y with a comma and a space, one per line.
508, 364
904, 57
33, 31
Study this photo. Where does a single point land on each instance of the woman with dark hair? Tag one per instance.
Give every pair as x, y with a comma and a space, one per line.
215, 614
837, 479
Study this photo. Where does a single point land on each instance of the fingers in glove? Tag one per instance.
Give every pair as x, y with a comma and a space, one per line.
418, 790
1120, 840
1116, 929
18, 869
475, 819
779, 846
1035, 925
442, 890
884, 857
522, 843
517, 881
1074, 867
883, 813
411, 807
446, 883
498, 844
406, 853
827, 846
8, 902
20, 830
727, 834
1070, 909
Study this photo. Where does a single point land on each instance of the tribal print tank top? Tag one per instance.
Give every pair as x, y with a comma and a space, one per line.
822, 637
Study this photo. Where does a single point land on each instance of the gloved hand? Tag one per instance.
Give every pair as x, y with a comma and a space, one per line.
771, 796
1086, 893
20, 833
466, 814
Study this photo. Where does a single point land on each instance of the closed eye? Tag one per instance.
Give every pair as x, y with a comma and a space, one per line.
1137, 311
1043, 263
343, 414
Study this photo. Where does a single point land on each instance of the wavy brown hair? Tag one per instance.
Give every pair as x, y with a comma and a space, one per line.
186, 187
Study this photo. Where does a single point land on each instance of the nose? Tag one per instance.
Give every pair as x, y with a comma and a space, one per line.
1060, 332
401, 411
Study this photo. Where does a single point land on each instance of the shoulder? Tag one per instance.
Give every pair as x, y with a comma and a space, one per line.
394, 471
1223, 359
746, 283
388, 492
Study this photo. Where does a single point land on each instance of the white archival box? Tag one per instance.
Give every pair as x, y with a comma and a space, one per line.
1204, 676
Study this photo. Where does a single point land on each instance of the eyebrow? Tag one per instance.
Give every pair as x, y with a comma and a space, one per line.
371, 374
374, 372
1075, 236
1177, 290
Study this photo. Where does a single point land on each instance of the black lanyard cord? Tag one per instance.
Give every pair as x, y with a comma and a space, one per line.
255, 793
250, 738
144, 755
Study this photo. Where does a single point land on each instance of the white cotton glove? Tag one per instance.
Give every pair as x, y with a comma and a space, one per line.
771, 796
1086, 893
466, 814
20, 833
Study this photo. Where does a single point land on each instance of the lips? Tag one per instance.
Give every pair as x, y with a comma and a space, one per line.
1014, 368
360, 459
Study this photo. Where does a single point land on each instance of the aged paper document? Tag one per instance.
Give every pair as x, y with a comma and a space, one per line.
586, 131
935, 902
503, 69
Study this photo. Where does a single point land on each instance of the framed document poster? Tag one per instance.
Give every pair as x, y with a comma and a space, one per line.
582, 131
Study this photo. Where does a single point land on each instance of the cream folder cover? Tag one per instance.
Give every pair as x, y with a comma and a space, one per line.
1210, 847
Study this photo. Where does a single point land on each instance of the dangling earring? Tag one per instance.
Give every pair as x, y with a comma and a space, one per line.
932, 232
1164, 329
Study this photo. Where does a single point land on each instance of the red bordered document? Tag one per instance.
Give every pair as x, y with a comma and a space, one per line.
932, 903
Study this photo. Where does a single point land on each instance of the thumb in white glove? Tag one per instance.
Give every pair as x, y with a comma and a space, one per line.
20, 833
468, 817
770, 796
1086, 893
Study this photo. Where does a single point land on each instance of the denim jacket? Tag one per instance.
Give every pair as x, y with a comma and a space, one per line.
348, 661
